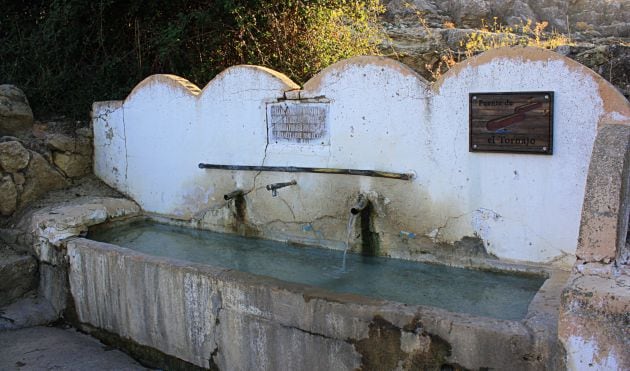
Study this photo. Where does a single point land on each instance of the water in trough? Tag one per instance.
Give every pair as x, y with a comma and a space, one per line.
490, 294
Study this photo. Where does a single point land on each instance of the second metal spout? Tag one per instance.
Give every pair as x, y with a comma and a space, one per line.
275, 186
361, 204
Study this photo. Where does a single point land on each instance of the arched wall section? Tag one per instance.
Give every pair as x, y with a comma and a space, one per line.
367, 113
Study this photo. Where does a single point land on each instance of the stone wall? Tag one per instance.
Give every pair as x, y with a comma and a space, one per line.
380, 116
34, 161
421, 32
604, 17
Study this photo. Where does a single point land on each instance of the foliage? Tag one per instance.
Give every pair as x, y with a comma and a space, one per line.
301, 37
65, 54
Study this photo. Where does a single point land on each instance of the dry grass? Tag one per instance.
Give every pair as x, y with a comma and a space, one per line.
497, 35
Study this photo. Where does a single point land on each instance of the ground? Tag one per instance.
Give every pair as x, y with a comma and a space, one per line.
59, 348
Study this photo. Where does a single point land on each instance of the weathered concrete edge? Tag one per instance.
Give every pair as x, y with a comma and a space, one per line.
454, 328
593, 324
604, 221
51, 226
48, 229
595, 305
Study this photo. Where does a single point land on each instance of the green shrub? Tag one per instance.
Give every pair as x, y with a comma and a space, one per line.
65, 54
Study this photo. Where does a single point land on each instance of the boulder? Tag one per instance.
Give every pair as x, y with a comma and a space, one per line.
18, 276
19, 180
16, 116
73, 165
65, 143
41, 177
13, 156
469, 13
84, 132
8, 196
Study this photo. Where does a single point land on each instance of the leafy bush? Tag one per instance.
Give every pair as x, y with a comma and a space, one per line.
65, 54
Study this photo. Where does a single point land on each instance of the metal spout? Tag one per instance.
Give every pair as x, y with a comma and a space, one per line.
233, 194
275, 186
361, 204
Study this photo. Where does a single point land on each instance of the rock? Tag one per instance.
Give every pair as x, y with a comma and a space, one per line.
455, 36
563, 49
41, 177
422, 32
71, 164
8, 196
27, 312
594, 57
65, 143
520, 12
16, 116
611, 18
18, 179
18, 275
610, 61
13, 156
8, 138
85, 132
468, 13
404, 8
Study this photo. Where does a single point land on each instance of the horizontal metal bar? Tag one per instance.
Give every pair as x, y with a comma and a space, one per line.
294, 169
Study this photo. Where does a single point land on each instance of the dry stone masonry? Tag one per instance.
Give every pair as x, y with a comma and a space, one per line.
16, 116
34, 162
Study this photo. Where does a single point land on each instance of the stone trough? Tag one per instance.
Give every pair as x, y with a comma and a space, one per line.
254, 155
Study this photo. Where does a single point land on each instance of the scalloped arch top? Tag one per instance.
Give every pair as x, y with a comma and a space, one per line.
190, 88
316, 81
612, 98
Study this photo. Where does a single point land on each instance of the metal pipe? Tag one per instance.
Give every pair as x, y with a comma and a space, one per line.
275, 186
361, 204
294, 169
233, 194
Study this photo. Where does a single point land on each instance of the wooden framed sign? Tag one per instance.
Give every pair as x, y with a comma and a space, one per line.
519, 122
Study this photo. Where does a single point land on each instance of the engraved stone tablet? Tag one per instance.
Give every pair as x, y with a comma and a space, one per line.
511, 122
298, 123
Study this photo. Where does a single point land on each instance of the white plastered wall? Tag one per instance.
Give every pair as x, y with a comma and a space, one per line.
381, 116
